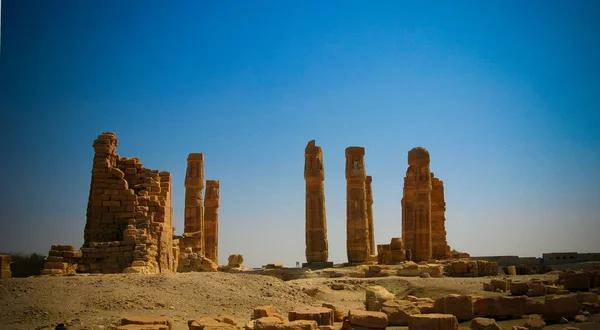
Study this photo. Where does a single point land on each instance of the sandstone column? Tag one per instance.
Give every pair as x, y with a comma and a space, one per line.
357, 223
369, 192
211, 221
194, 210
317, 247
440, 247
416, 204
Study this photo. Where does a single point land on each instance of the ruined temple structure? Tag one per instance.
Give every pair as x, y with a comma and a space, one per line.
439, 245
193, 232
317, 248
211, 221
357, 222
369, 194
129, 225
423, 207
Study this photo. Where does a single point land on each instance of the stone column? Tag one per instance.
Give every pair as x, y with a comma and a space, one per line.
357, 223
211, 221
418, 162
440, 248
369, 192
317, 247
194, 210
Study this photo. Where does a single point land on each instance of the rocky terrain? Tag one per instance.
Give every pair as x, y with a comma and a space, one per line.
99, 301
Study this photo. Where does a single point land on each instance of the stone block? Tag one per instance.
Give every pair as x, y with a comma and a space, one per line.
367, 319
460, 306
432, 322
577, 281
557, 307
399, 311
148, 320
338, 311
518, 288
265, 311
375, 297
322, 315
500, 306
481, 323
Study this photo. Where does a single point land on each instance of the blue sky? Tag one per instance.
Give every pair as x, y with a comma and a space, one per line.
504, 95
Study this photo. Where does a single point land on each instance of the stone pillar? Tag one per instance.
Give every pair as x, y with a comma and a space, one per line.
357, 223
440, 247
194, 210
317, 247
211, 221
416, 205
369, 192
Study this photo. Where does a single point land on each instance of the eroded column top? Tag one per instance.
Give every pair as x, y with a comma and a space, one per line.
418, 156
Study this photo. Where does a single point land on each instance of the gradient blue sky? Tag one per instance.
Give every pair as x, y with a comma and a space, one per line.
505, 95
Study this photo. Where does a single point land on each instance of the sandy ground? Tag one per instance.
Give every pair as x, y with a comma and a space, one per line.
43, 302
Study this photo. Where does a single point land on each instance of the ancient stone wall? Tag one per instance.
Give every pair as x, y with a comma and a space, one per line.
416, 205
193, 236
439, 245
317, 246
5, 266
129, 217
369, 193
211, 221
61, 260
357, 222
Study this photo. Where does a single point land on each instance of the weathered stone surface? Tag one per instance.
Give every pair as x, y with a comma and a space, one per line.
266, 311
148, 320
211, 221
409, 268
518, 288
194, 207
227, 319
588, 297
577, 281
511, 270
398, 311
5, 266
375, 297
534, 306
500, 306
460, 306
439, 245
535, 322
317, 246
371, 228
129, 209
338, 311
481, 323
557, 307
235, 260
367, 319
432, 322
204, 323
322, 315
357, 222
416, 206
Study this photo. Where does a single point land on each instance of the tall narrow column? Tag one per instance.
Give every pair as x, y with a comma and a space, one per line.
439, 244
317, 247
357, 223
369, 192
211, 221
194, 210
418, 161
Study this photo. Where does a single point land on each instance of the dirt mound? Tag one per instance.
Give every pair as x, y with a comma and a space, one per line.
29, 303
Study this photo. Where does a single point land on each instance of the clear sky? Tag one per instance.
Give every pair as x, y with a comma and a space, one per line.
505, 95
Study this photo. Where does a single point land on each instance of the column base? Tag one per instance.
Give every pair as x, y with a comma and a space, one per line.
317, 265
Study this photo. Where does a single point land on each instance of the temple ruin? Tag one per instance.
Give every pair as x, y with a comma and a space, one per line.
423, 207
211, 221
129, 225
317, 247
193, 232
369, 194
357, 222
